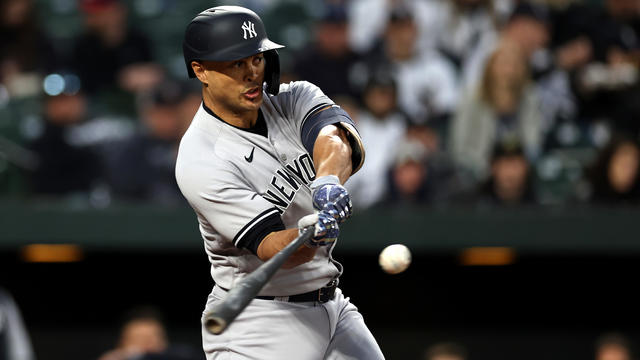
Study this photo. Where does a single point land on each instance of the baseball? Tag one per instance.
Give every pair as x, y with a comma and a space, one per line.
395, 258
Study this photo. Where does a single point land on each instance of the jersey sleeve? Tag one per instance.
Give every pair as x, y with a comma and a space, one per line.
230, 208
301, 100
334, 115
311, 110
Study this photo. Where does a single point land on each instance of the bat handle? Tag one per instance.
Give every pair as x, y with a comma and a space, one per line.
215, 324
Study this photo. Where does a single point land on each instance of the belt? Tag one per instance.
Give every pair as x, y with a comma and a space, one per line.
322, 295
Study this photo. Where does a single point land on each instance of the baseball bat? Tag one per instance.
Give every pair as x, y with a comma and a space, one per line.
225, 311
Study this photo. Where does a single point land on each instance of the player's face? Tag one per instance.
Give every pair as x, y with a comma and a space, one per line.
234, 86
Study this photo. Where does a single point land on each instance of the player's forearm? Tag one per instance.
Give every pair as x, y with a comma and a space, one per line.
276, 241
332, 153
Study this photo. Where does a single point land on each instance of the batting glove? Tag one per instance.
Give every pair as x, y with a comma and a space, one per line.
325, 228
329, 195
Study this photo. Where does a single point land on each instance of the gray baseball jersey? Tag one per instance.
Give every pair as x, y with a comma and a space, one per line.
245, 183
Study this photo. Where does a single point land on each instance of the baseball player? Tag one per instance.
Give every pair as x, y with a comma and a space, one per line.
260, 161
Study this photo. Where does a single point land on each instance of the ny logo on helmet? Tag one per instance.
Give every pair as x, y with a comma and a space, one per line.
248, 28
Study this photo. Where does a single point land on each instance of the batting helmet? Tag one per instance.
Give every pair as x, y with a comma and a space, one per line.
227, 33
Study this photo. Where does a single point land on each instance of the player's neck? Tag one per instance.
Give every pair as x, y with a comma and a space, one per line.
244, 119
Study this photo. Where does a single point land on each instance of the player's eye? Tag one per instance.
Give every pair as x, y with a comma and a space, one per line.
258, 59
237, 64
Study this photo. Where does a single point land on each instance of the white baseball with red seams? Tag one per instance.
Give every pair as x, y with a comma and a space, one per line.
395, 258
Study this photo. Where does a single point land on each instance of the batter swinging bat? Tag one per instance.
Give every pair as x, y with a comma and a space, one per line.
225, 311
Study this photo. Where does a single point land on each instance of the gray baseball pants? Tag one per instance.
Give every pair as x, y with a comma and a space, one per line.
277, 330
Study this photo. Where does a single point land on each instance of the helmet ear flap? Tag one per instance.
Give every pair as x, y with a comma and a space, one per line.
272, 71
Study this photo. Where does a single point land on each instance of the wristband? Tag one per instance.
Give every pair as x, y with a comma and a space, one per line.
324, 180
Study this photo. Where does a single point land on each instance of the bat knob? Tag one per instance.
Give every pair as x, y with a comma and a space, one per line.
215, 324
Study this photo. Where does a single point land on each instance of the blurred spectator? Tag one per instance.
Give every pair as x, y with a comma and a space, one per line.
143, 336
408, 174
455, 22
142, 167
418, 175
24, 49
510, 182
570, 51
426, 81
329, 62
613, 346
382, 127
14, 339
528, 27
609, 85
504, 107
368, 20
64, 165
188, 106
559, 103
615, 177
611, 28
445, 351
110, 54
350, 105
461, 28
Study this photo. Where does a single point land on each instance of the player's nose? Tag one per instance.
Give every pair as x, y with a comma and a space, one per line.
253, 71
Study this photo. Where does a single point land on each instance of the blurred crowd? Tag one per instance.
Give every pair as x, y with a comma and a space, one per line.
607, 346
491, 102
143, 336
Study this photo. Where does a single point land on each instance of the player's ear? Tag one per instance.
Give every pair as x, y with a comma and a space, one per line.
198, 69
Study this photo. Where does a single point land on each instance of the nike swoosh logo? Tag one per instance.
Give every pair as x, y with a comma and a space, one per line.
250, 158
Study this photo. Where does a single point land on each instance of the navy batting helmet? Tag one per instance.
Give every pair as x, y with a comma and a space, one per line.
227, 33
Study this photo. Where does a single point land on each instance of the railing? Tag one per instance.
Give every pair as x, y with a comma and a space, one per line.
543, 230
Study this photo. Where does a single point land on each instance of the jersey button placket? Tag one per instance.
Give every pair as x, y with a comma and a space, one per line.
281, 157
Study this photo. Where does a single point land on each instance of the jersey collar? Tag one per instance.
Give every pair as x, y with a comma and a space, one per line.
259, 128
